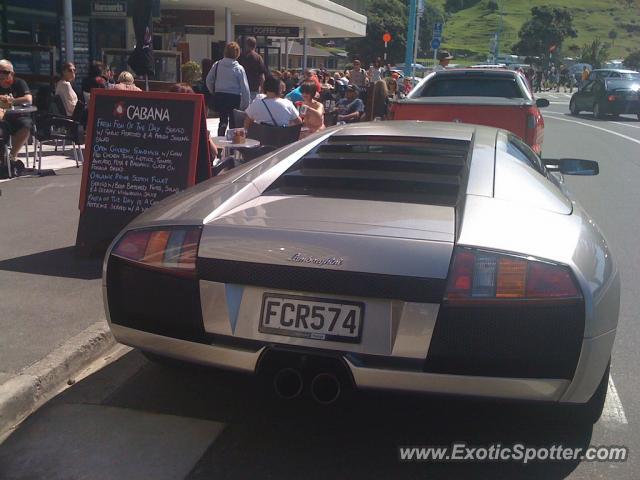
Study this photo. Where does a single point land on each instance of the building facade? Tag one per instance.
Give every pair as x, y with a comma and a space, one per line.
182, 30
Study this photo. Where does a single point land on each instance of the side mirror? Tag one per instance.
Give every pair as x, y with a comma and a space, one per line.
573, 166
542, 102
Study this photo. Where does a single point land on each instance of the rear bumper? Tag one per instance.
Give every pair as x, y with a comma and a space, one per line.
619, 108
246, 360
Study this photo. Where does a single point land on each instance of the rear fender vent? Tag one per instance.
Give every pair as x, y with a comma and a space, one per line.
400, 169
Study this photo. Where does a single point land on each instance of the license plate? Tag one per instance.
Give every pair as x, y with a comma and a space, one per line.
310, 317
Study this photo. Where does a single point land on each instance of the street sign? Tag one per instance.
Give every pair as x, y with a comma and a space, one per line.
386, 37
437, 29
435, 43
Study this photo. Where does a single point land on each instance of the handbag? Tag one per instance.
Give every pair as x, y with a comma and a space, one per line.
210, 98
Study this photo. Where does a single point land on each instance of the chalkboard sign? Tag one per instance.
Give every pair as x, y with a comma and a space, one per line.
141, 147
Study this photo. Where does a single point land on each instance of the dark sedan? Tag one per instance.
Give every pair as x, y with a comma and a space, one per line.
607, 96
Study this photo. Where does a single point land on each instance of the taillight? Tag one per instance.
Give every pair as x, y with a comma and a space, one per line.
612, 98
172, 250
478, 275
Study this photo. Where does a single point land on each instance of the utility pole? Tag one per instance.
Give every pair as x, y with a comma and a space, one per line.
411, 32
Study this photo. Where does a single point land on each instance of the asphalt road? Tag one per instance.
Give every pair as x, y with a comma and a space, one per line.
134, 419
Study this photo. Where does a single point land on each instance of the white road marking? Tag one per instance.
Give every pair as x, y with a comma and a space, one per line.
626, 125
634, 140
613, 411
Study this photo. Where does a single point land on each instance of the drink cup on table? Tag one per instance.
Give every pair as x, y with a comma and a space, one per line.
239, 135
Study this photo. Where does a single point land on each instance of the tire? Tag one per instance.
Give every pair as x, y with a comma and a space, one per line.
573, 108
590, 412
597, 112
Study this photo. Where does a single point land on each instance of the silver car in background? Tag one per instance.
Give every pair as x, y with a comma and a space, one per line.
405, 256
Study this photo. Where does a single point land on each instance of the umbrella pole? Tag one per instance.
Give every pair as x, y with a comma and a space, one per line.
146, 82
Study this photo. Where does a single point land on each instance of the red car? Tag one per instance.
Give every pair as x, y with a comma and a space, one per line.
492, 97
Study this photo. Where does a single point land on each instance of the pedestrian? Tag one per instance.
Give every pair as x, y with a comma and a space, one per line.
357, 75
380, 107
126, 82
272, 110
14, 90
311, 110
253, 65
375, 71
64, 88
227, 81
585, 75
350, 108
288, 80
444, 58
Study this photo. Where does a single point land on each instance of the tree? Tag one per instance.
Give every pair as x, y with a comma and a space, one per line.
594, 53
633, 60
546, 29
612, 36
382, 16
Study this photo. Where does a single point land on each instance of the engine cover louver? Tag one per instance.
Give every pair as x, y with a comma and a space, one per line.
391, 169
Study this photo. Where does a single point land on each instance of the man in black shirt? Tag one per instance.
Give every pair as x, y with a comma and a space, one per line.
254, 66
14, 91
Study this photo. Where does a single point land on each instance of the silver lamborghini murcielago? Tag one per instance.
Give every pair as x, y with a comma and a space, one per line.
405, 256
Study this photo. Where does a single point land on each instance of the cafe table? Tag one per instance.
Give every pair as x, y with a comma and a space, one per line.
231, 148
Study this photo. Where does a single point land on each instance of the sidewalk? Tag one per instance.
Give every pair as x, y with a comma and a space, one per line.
48, 296
51, 312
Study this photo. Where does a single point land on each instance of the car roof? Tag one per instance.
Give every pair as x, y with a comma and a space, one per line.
619, 70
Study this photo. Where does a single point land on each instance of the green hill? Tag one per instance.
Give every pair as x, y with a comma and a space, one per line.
470, 30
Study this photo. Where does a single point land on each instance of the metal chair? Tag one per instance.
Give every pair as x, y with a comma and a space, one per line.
274, 136
51, 127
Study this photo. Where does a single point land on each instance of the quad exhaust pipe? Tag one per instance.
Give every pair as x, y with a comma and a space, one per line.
288, 383
325, 387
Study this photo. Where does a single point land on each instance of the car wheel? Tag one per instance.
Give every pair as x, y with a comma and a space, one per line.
573, 108
590, 412
597, 111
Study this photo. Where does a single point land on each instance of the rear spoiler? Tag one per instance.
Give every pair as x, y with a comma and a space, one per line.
496, 101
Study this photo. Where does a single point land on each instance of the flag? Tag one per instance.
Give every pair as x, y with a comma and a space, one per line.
141, 60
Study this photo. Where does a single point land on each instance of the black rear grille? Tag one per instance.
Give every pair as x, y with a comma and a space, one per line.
397, 169
518, 340
154, 302
318, 280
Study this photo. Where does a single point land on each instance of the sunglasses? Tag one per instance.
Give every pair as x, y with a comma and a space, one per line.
5, 72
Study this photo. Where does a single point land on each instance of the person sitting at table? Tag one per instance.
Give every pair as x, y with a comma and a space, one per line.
126, 82
312, 110
64, 88
350, 108
97, 78
14, 91
272, 110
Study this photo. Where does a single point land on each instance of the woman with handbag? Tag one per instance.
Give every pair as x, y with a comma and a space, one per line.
227, 81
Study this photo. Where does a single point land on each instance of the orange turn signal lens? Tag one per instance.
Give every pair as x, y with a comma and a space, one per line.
173, 250
512, 275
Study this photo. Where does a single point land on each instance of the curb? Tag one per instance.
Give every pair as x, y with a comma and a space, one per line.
40, 382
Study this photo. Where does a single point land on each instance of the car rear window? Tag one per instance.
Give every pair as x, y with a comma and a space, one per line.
472, 87
622, 84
